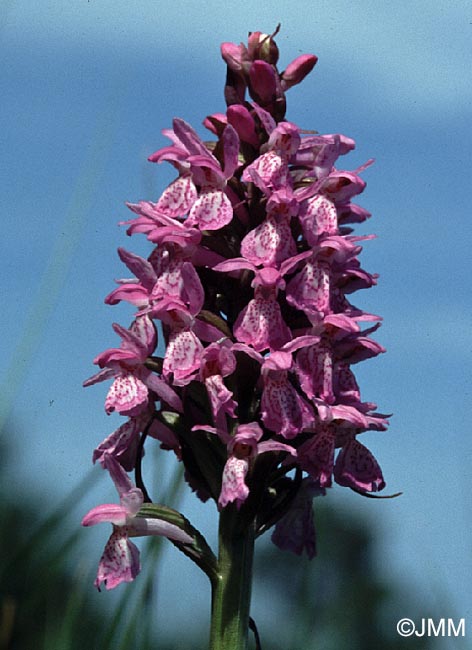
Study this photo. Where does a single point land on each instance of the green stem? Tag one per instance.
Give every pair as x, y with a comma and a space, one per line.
231, 590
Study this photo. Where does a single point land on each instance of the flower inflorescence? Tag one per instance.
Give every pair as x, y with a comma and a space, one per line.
252, 263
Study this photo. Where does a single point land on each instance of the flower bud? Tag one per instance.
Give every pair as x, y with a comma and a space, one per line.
262, 80
234, 55
241, 119
296, 71
263, 47
215, 123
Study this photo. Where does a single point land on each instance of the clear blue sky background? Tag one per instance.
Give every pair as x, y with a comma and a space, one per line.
86, 88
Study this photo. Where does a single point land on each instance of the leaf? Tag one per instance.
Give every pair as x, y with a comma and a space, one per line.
199, 551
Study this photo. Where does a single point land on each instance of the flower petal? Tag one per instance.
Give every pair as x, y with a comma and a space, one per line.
230, 141
119, 562
221, 399
296, 530
283, 409
318, 217
314, 367
111, 513
309, 290
118, 475
189, 138
270, 243
102, 375
128, 395
268, 171
141, 268
261, 325
182, 358
178, 198
122, 444
316, 456
357, 468
211, 211
165, 392
233, 487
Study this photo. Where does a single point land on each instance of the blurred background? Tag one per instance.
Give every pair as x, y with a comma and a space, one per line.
86, 89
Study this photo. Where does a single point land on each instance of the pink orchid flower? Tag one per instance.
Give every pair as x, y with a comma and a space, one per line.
129, 393
316, 455
295, 532
120, 560
242, 450
122, 444
166, 274
210, 208
271, 243
283, 409
217, 362
260, 323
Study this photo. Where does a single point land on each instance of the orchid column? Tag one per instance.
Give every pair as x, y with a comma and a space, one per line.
252, 259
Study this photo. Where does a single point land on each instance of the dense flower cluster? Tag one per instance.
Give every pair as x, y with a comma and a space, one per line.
252, 263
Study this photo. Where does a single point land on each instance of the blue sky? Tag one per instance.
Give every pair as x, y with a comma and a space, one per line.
87, 87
